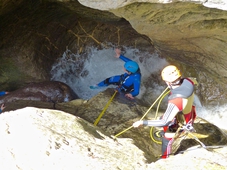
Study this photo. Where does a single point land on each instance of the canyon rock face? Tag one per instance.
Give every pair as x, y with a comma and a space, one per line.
108, 4
59, 137
32, 41
191, 35
34, 34
49, 91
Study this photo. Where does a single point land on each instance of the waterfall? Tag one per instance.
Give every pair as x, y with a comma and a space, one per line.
80, 71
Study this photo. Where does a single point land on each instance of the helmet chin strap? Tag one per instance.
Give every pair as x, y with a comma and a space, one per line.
129, 72
176, 83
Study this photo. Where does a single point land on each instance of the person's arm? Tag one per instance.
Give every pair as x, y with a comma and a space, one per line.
2, 108
125, 59
118, 55
167, 118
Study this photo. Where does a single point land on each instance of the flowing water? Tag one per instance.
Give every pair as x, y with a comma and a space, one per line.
80, 71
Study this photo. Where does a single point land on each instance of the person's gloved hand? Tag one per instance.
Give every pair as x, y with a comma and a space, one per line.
137, 124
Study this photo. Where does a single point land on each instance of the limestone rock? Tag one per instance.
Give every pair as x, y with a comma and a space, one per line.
33, 138
108, 4
48, 139
189, 34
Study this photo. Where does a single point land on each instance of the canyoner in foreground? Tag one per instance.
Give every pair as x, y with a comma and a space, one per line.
180, 111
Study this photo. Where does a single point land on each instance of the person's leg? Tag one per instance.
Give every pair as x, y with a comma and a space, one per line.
167, 141
115, 80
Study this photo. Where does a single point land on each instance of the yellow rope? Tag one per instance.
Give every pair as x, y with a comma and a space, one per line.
153, 104
107, 105
156, 114
145, 113
123, 131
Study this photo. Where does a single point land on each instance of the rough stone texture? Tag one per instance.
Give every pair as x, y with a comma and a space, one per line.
49, 91
31, 41
189, 35
186, 33
37, 32
33, 138
118, 118
109, 4
43, 139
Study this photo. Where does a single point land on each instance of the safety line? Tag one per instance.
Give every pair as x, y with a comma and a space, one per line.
107, 105
156, 114
145, 113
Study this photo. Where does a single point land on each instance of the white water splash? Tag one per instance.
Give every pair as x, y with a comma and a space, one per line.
215, 115
81, 71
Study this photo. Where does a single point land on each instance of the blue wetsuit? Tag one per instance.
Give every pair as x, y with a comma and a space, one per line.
127, 83
2, 93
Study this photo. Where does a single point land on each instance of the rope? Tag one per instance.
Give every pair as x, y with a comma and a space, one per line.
123, 131
107, 105
188, 133
156, 114
145, 113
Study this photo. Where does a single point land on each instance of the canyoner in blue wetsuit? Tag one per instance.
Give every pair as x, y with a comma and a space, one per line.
129, 82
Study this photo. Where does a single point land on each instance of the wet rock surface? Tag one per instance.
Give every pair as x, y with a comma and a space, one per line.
189, 35
118, 118
69, 131
45, 30
49, 91
35, 33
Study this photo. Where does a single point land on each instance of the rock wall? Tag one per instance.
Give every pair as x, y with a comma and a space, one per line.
188, 35
31, 41
108, 4
33, 138
191, 35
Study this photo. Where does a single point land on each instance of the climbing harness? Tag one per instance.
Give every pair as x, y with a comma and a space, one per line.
107, 105
145, 113
188, 131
